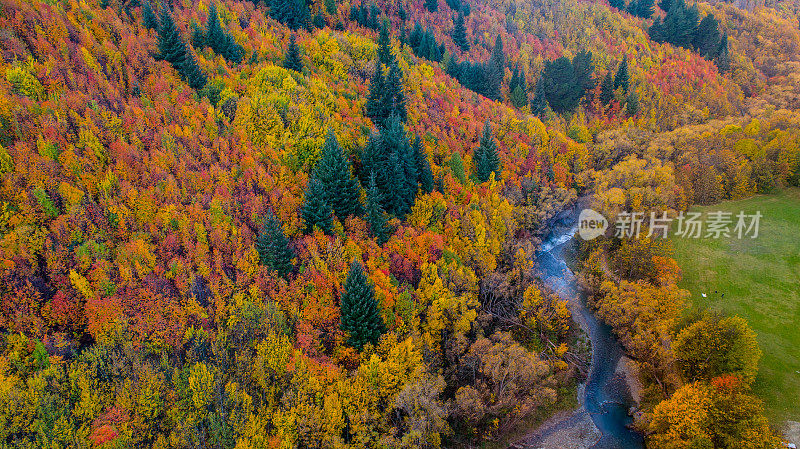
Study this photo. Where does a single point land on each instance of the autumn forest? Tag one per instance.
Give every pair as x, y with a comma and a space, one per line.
318, 223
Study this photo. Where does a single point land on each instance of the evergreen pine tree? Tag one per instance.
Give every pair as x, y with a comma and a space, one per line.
376, 110
707, 38
385, 55
560, 85
722, 58
292, 13
394, 95
539, 102
518, 89
432, 5
485, 156
607, 89
273, 246
215, 35
644, 8
316, 211
360, 311
195, 77
376, 216
198, 38
292, 60
498, 55
495, 71
170, 46
514, 81
330, 7
656, 31
423, 166
583, 67
619, 4
149, 19
173, 49
622, 78
665, 5
333, 171
633, 104
460, 34
390, 157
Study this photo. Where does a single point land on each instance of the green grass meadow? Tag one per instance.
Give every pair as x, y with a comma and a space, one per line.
760, 280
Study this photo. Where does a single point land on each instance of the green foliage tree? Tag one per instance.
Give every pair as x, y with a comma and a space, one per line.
485, 156
219, 40
707, 37
518, 88
375, 108
632, 104
149, 19
385, 55
316, 211
539, 102
423, 166
292, 60
330, 7
432, 5
293, 13
386, 95
678, 27
333, 171
619, 4
566, 82
642, 8
717, 345
722, 58
391, 158
607, 89
394, 95
459, 34
173, 49
198, 36
273, 247
622, 78
195, 77
360, 311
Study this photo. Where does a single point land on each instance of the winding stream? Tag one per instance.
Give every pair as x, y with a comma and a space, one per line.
605, 397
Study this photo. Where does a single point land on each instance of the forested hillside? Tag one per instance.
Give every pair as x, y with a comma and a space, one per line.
312, 224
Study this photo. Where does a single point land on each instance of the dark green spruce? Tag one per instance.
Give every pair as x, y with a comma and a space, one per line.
292, 60
316, 211
333, 171
273, 247
360, 311
149, 19
485, 156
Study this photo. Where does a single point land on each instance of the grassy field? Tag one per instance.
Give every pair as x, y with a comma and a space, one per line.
760, 279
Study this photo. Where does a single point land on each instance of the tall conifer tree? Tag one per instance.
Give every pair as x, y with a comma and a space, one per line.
273, 246
292, 60
622, 78
316, 211
360, 311
460, 33
333, 171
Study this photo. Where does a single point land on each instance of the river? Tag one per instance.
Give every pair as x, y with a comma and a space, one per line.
604, 397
